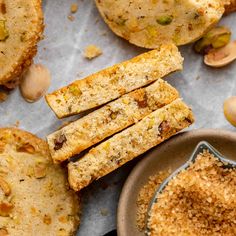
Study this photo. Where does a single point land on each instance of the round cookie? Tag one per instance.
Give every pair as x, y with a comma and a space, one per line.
21, 27
34, 195
149, 23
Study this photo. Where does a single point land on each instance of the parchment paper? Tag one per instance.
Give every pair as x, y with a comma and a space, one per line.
61, 51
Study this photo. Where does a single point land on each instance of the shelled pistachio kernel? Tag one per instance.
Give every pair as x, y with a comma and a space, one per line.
164, 20
216, 38
230, 110
3, 30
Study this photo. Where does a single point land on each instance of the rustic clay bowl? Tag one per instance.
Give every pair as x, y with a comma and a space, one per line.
171, 154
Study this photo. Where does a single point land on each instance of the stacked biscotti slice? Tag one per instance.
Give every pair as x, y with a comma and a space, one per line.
147, 111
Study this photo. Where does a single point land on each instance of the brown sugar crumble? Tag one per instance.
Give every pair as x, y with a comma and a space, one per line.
199, 201
92, 51
145, 196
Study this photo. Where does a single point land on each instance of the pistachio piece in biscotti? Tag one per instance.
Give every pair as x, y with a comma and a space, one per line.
5, 187
5, 208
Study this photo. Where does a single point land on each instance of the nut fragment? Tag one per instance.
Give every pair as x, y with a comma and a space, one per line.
3, 96
216, 38
28, 148
35, 82
222, 56
164, 127
3, 30
141, 98
3, 232
40, 170
5, 187
47, 220
59, 141
92, 51
164, 20
5, 209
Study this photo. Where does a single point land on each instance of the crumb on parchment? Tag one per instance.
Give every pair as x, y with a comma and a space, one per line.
74, 8
3, 96
92, 51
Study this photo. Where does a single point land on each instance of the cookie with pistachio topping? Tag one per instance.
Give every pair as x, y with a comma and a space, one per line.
34, 195
21, 27
148, 23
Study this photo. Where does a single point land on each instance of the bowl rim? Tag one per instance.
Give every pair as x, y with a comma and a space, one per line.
121, 209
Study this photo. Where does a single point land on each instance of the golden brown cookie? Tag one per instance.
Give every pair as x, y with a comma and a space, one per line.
34, 195
149, 23
21, 27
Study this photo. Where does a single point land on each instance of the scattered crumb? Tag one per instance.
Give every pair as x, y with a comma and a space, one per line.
3, 96
74, 8
92, 51
17, 124
71, 18
104, 212
97, 20
198, 77
104, 33
198, 201
146, 194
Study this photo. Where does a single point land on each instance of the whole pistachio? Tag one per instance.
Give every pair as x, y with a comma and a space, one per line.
164, 20
230, 110
216, 38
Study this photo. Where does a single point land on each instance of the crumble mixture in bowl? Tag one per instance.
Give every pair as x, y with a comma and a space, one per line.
200, 200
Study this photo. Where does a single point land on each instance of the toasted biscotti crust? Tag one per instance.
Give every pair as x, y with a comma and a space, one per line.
130, 143
104, 122
34, 195
24, 23
113, 82
148, 23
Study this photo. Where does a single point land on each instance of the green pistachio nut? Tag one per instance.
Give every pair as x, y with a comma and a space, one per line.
164, 20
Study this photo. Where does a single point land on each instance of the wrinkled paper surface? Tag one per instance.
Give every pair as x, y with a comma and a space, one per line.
204, 89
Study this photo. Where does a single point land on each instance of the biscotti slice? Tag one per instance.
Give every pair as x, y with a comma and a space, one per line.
113, 82
35, 198
111, 118
130, 143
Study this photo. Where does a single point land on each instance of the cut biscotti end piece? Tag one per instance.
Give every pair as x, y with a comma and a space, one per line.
110, 119
35, 198
113, 82
130, 143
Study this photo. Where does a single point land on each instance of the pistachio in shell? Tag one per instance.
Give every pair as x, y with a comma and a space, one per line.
216, 38
222, 56
230, 110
